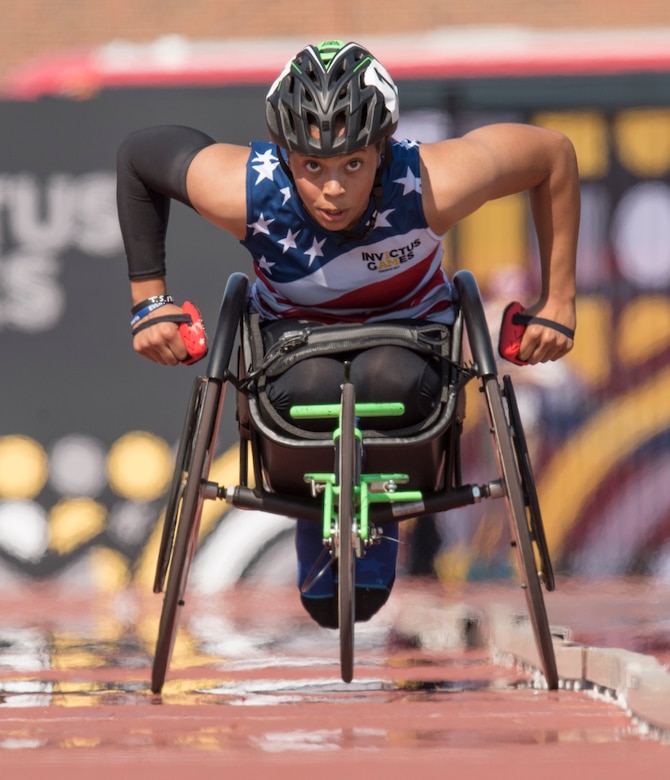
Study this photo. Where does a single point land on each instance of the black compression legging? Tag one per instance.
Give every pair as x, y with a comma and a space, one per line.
380, 374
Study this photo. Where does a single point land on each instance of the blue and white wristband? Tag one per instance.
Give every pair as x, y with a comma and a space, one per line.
141, 309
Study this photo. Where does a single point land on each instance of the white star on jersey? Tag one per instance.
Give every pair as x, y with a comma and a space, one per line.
264, 165
265, 265
315, 251
261, 225
288, 242
286, 192
382, 218
410, 183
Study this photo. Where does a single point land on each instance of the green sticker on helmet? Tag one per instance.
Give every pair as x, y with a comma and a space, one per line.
327, 51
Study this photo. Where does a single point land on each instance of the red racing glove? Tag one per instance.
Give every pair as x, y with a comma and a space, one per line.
193, 334
511, 333
513, 326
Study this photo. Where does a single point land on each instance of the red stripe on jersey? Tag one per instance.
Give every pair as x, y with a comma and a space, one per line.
382, 294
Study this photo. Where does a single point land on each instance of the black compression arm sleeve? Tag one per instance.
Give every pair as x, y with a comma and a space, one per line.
151, 169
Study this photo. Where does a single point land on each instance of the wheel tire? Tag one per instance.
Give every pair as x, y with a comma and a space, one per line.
181, 468
188, 509
520, 530
345, 529
528, 485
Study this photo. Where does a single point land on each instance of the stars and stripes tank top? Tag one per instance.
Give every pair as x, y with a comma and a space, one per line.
305, 271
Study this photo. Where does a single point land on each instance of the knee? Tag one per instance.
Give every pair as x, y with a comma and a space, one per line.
398, 374
315, 380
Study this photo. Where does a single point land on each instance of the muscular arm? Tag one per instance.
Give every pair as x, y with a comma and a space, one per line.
461, 175
151, 170
153, 167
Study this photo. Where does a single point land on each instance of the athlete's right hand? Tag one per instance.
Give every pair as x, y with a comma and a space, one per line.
161, 343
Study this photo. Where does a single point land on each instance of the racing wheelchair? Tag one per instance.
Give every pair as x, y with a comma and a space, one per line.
351, 479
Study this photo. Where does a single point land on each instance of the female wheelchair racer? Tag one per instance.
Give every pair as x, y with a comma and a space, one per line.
344, 224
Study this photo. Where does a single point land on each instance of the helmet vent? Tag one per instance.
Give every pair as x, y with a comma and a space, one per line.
341, 70
339, 123
338, 97
364, 116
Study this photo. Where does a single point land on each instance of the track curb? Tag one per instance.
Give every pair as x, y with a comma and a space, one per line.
638, 682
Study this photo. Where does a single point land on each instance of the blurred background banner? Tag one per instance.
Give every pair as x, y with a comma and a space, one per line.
87, 429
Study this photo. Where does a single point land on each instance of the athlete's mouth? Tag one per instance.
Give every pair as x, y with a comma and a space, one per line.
333, 215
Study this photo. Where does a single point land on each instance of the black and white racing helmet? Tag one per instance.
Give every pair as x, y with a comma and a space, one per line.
334, 98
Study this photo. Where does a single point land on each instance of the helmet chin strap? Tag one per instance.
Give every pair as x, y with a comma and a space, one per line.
284, 163
376, 195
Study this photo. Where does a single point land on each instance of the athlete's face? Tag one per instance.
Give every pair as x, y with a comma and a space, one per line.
335, 190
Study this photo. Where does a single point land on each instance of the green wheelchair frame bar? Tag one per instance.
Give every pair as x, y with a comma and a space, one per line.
373, 488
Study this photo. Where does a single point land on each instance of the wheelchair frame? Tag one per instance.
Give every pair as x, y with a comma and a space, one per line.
514, 483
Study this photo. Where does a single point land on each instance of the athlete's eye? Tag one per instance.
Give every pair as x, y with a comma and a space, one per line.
354, 165
312, 166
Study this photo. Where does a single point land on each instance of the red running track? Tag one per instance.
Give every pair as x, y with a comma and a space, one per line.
254, 693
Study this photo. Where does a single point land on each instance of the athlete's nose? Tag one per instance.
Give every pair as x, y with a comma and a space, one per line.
333, 187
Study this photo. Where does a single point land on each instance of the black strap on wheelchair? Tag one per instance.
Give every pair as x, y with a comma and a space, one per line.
527, 319
178, 318
271, 350
295, 345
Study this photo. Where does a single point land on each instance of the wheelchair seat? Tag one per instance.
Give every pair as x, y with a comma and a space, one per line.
284, 451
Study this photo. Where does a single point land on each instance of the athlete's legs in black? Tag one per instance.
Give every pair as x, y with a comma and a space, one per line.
380, 374
387, 374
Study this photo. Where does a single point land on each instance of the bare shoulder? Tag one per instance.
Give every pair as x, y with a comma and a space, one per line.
216, 183
459, 175
498, 145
